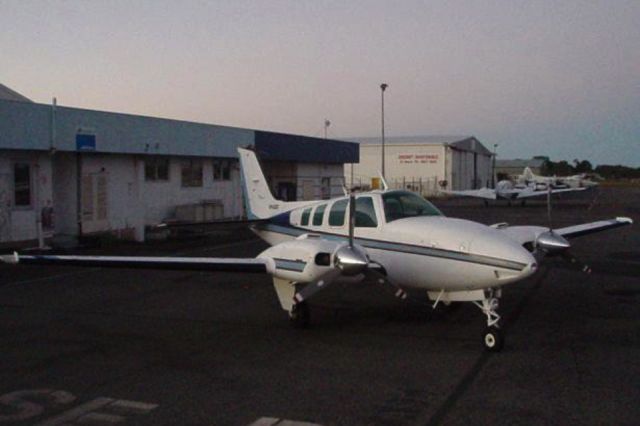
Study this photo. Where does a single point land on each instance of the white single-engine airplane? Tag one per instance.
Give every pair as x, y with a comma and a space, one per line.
396, 238
506, 190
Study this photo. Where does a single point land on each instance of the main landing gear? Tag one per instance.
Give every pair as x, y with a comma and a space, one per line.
299, 315
492, 338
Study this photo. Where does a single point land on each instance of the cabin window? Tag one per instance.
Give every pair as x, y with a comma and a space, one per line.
318, 214
221, 169
337, 213
156, 169
365, 213
402, 204
305, 217
191, 173
22, 185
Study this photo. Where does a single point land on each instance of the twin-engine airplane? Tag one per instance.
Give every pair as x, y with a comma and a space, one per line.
506, 190
396, 238
581, 180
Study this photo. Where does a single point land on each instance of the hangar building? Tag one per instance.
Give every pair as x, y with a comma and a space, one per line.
70, 171
424, 163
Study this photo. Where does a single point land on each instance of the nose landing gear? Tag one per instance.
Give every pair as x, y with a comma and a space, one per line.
492, 338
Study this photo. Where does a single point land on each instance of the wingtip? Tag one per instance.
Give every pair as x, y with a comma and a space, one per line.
10, 258
624, 220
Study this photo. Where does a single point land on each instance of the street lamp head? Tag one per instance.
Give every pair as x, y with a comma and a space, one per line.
384, 86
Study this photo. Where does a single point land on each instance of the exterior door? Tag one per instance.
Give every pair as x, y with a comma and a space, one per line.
94, 202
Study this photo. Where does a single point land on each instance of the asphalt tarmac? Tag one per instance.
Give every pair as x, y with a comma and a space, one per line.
101, 347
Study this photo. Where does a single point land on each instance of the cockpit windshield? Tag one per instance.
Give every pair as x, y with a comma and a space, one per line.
402, 204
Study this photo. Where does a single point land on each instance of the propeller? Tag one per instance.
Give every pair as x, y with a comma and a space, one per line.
551, 243
349, 260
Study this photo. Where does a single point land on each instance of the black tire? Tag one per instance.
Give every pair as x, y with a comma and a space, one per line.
299, 315
493, 339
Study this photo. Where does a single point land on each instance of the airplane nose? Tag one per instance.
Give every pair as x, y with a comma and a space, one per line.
529, 260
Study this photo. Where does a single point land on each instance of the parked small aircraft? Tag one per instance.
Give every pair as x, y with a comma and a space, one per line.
395, 238
582, 180
506, 190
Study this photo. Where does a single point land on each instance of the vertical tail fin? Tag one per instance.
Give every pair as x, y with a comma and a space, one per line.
259, 201
527, 174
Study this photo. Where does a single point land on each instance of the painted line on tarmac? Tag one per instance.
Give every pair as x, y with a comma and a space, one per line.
464, 384
91, 270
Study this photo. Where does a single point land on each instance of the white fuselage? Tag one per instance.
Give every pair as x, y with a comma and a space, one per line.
425, 252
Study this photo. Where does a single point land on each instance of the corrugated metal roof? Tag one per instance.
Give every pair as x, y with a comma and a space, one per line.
27, 126
12, 95
402, 140
463, 143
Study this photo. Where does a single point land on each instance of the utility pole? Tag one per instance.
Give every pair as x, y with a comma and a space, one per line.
383, 87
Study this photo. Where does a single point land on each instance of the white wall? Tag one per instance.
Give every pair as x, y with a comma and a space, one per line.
159, 199
404, 164
314, 172
133, 202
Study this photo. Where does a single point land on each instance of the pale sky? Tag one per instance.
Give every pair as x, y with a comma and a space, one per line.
557, 78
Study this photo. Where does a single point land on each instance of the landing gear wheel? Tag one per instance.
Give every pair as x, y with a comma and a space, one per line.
493, 339
299, 315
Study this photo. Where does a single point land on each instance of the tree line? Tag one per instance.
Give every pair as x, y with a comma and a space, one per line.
564, 168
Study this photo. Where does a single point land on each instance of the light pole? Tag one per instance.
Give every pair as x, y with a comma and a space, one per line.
383, 87
493, 171
327, 123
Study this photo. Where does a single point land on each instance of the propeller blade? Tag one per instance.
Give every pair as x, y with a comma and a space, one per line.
352, 217
374, 274
313, 287
574, 260
549, 205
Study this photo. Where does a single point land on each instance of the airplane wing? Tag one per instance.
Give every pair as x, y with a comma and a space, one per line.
486, 193
589, 228
528, 193
530, 234
256, 265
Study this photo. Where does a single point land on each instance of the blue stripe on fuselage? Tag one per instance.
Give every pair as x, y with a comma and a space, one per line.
396, 247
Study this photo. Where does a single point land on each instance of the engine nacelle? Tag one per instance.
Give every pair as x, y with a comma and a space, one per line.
301, 260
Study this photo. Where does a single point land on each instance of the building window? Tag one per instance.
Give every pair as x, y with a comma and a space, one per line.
318, 214
22, 185
191, 173
156, 169
337, 213
221, 169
